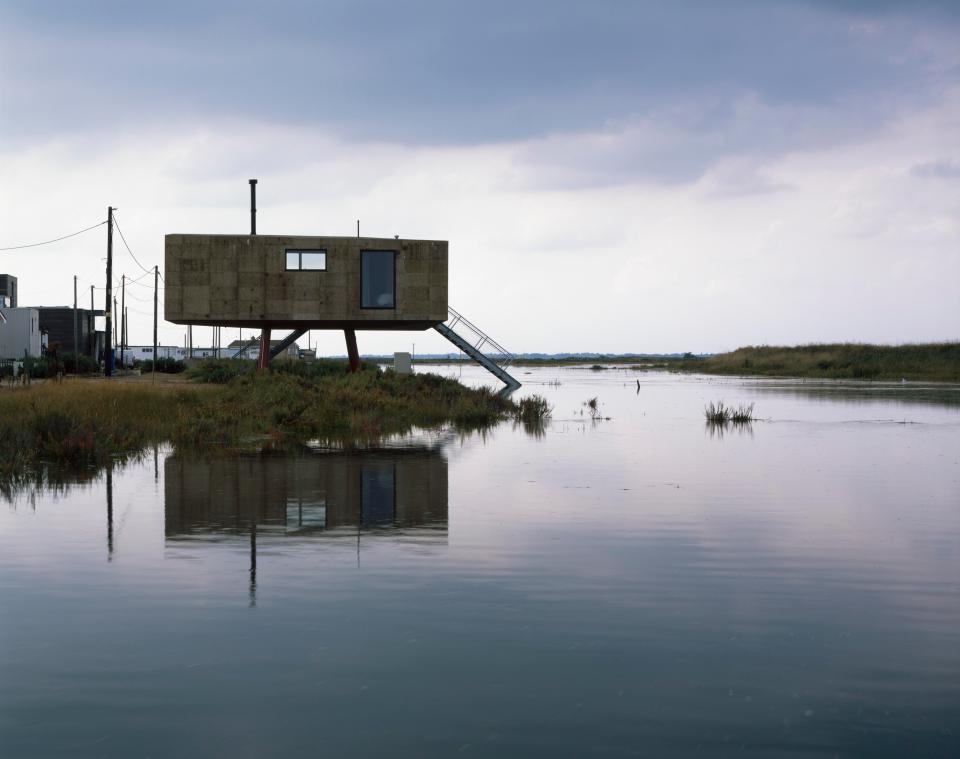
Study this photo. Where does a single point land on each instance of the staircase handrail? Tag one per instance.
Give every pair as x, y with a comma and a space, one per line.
455, 318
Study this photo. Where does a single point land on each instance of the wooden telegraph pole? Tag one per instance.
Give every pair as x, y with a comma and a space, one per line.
156, 273
76, 344
123, 316
108, 337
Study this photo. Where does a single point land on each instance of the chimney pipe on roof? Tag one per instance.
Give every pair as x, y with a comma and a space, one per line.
253, 206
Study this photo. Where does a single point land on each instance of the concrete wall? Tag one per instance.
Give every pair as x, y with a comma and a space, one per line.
20, 334
241, 281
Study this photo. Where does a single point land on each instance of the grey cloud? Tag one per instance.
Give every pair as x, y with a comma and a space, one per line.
680, 144
946, 168
427, 73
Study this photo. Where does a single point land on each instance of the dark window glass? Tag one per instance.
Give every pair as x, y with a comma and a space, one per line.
377, 494
377, 279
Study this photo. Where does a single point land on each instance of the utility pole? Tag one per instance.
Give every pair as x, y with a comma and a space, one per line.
123, 316
92, 327
264, 359
156, 273
108, 348
115, 341
76, 346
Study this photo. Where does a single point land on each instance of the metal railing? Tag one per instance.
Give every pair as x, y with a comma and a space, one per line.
480, 340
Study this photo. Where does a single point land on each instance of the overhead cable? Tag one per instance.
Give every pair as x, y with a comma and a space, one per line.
117, 225
58, 239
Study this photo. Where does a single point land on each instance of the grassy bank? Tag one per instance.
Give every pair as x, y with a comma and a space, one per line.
935, 362
84, 423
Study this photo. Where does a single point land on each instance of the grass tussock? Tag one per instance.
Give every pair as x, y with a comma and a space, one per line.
533, 410
84, 424
937, 362
720, 413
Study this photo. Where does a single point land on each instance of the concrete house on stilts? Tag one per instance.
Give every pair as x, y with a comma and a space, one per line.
297, 283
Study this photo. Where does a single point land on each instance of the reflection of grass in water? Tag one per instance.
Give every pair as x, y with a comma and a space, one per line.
84, 424
720, 430
720, 413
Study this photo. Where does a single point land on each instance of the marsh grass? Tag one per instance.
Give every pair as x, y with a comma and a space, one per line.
720, 413
852, 361
84, 424
592, 405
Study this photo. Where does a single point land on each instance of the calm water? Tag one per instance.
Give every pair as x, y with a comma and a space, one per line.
640, 585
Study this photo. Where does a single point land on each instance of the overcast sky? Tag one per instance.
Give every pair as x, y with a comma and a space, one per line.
611, 176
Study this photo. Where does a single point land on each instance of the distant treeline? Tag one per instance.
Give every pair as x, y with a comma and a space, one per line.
931, 361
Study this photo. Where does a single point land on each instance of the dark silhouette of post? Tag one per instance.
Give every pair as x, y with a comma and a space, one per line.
253, 206
352, 353
108, 348
110, 511
76, 344
123, 317
156, 273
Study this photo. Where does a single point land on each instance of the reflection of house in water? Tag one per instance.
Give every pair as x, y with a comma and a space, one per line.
318, 493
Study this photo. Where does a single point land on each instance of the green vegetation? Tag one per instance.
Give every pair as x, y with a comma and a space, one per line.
938, 362
722, 414
82, 424
164, 366
533, 410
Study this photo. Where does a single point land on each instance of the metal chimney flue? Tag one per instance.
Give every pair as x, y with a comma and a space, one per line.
253, 206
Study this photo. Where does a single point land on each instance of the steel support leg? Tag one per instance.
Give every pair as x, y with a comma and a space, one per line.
264, 359
352, 351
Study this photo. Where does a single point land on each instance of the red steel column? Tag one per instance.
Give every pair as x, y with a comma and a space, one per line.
352, 351
264, 360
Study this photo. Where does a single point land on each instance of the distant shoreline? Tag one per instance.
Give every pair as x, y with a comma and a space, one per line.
933, 362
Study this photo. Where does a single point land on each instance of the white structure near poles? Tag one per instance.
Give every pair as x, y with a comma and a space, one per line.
20, 333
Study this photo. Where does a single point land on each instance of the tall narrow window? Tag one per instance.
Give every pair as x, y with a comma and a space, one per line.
378, 494
378, 279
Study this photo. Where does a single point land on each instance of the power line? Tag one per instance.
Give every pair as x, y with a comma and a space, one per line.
117, 225
58, 239
142, 300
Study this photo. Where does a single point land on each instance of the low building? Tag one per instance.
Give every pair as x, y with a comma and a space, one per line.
137, 353
8, 291
20, 333
57, 323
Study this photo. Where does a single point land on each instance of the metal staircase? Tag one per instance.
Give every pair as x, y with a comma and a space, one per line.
480, 347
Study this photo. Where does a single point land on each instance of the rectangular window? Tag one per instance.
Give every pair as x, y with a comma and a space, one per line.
306, 260
378, 281
378, 494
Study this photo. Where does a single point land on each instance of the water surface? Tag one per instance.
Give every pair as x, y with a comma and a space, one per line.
640, 584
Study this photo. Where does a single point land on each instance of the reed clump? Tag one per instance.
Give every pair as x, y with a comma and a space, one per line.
720, 413
533, 410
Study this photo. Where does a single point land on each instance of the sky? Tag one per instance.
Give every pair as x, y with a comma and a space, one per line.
611, 176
